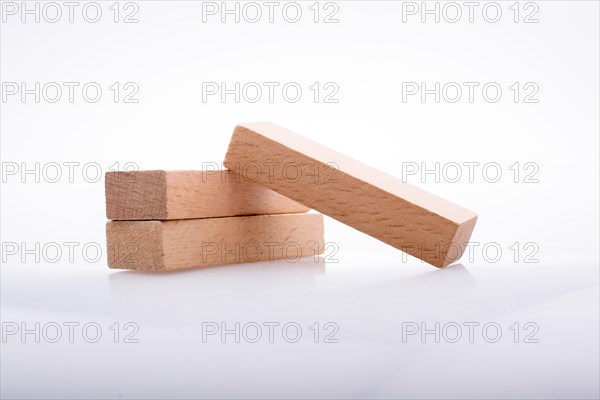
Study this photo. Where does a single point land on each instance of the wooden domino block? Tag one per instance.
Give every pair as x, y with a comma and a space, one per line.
165, 195
190, 243
397, 213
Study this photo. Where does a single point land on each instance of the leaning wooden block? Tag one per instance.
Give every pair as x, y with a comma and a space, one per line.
163, 195
189, 243
397, 213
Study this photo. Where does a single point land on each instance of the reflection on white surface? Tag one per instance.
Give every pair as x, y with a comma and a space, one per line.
365, 345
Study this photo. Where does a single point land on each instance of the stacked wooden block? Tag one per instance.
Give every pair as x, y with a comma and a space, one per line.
166, 220
257, 209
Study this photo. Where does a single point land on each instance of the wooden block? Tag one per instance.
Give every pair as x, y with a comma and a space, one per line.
164, 195
397, 213
189, 243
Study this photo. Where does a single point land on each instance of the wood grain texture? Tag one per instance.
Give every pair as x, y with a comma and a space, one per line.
165, 195
397, 213
190, 243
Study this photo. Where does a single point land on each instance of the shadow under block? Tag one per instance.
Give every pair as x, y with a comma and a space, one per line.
190, 243
380, 205
165, 195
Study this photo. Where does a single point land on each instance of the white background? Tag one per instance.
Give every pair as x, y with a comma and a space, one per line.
370, 291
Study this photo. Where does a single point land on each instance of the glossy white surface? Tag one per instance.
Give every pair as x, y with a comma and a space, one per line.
371, 305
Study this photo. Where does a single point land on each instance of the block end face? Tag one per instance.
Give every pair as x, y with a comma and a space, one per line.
459, 242
447, 248
136, 195
134, 245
